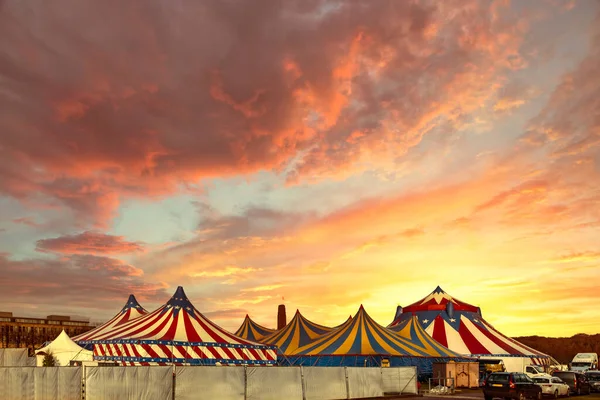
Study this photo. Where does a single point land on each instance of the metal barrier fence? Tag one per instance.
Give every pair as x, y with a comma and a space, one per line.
193, 382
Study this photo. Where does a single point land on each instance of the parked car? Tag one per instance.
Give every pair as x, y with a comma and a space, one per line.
511, 385
577, 381
593, 378
553, 386
535, 371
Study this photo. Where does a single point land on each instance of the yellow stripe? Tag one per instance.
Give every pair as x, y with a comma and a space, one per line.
345, 347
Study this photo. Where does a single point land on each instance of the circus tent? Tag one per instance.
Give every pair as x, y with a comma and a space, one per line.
298, 332
64, 350
460, 327
177, 333
131, 310
362, 341
250, 330
362, 335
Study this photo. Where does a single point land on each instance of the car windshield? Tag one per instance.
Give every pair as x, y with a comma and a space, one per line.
498, 378
593, 377
540, 380
539, 370
580, 364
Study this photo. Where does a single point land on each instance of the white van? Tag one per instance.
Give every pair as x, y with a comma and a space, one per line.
584, 362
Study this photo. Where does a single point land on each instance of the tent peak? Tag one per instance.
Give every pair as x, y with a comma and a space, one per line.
438, 290
132, 303
179, 300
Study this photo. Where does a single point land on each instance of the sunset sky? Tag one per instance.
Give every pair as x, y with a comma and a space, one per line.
320, 154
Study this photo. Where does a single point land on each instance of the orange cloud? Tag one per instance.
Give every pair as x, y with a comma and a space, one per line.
89, 243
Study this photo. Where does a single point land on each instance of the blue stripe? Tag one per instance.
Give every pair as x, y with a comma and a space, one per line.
193, 361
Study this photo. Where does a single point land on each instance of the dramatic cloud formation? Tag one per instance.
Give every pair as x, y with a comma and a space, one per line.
89, 242
324, 154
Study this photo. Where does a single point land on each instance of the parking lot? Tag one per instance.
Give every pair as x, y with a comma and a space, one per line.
478, 394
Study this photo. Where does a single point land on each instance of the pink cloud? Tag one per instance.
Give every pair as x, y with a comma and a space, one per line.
209, 92
79, 280
89, 243
26, 221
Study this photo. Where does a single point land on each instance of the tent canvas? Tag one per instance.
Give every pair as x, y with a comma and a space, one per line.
130, 311
460, 327
177, 333
64, 350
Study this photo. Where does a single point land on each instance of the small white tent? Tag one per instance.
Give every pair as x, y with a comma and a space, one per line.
64, 350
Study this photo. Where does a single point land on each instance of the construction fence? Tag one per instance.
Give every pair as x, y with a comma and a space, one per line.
203, 382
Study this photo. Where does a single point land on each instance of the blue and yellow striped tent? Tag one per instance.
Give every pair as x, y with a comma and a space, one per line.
298, 332
250, 330
363, 336
412, 330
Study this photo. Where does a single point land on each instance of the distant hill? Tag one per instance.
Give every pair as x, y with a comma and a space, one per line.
563, 349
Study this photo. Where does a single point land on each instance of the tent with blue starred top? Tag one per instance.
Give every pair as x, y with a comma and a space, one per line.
177, 333
460, 327
130, 311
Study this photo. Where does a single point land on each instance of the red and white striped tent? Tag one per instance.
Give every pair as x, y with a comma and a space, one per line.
131, 310
177, 333
460, 327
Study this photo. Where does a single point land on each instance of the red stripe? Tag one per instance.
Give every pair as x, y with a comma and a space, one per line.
124, 317
166, 350
135, 350
150, 351
199, 352
126, 350
216, 338
213, 351
118, 351
157, 329
190, 331
229, 354
170, 334
439, 331
240, 354
142, 324
255, 354
109, 350
219, 339
183, 351
472, 343
497, 341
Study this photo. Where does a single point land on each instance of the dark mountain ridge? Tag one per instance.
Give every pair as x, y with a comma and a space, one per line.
563, 349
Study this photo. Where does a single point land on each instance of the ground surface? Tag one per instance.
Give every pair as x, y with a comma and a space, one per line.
476, 394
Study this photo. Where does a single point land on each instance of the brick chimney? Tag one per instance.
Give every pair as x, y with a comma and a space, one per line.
281, 318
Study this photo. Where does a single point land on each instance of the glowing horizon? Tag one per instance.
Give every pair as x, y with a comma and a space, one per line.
331, 154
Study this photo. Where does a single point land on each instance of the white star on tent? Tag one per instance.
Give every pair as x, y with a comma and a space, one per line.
425, 321
188, 308
452, 320
475, 320
178, 307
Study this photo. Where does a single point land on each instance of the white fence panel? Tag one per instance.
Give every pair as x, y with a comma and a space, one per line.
273, 383
13, 358
399, 380
364, 382
16, 383
324, 383
140, 383
208, 382
57, 383
408, 380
